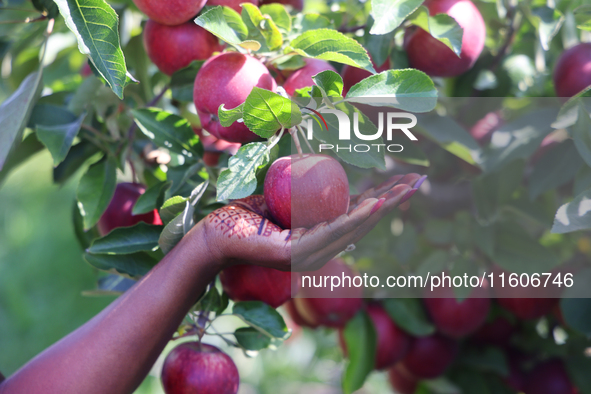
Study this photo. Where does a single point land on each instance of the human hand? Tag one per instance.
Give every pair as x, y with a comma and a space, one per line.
242, 231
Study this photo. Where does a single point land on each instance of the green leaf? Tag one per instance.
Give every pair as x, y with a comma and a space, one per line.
408, 90
330, 83
486, 359
582, 180
47, 6
574, 216
142, 237
174, 231
279, 15
409, 315
371, 159
556, 168
182, 82
379, 46
112, 284
583, 17
441, 26
252, 339
577, 311
516, 251
75, 159
58, 139
229, 116
333, 46
578, 363
15, 112
309, 21
151, 199
172, 207
450, 136
439, 231
168, 131
264, 25
548, 21
261, 316
521, 138
226, 24
24, 151
389, 14
239, 180
50, 115
361, 340
96, 26
96, 189
212, 301
266, 112
134, 265
581, 133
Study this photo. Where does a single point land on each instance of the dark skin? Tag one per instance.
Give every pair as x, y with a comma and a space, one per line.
114, 351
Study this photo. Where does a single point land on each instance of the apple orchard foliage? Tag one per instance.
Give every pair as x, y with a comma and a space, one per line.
125, 119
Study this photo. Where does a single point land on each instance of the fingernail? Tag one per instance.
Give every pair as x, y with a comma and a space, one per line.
420, 181
377, 205
407, 196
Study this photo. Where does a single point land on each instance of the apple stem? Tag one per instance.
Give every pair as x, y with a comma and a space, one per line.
296, 141
277, 139
305, 139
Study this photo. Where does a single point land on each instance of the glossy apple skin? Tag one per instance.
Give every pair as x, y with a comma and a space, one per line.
429, 357
228, 79
170, 12
497, 332
174, 47
392, 342
253, 283
199, 368
305, 191
431, 56
302, 77
455, 318
528, 308
298, 5
234, 4
353, 75
118, 213
315, 307
549, 377
572, 73
295, 316
402, 381
214, 147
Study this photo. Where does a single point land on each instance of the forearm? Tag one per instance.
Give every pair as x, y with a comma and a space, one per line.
115, 350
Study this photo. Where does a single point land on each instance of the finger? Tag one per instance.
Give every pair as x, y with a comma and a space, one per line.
408, 179
391, 200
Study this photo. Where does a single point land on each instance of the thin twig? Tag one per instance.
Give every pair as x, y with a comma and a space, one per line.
96, 133
296, 141
508, 41
28, 20
305, 139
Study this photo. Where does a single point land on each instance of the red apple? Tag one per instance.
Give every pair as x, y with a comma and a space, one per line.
319, 306
296, 4
573, 70
353, 75
305, 191
528, 308
86, 71
174, 47
253, 283
302, 77
435, 58
454, 318
497, 332
392, 342
214, 147
429, 357
402, 381
228, 79
170, 12
194, 367
516, 378
295, 316
234, 4
549, 377
118, 213
483, 130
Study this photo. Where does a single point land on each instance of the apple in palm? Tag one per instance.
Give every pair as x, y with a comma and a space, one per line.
194, 367
434, 57
119, 212
303, 191
174, 47
228, 79
170, 12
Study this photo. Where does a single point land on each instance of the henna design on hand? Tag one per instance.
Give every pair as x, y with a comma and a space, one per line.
236, 221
